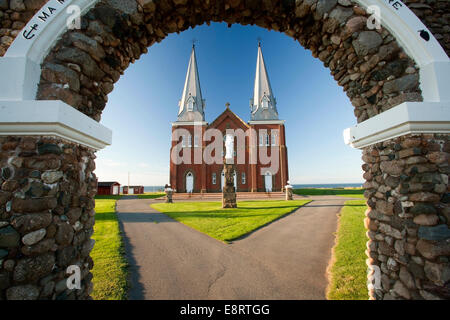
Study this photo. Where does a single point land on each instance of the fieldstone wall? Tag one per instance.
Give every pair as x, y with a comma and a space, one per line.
46, 217
435, 14
14, 14
409, 216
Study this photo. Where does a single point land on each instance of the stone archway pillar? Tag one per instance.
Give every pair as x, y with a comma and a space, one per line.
408, 216
406, 167
47, 152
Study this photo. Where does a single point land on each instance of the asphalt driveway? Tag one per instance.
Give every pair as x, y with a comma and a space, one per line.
284, 260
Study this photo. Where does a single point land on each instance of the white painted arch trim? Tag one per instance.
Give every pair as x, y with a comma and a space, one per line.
52, 118
24, 57
406, 118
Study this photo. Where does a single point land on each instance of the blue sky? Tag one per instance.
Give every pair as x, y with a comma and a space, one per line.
145, 101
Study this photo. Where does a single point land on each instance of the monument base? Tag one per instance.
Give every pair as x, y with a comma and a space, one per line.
228, 191
229, 197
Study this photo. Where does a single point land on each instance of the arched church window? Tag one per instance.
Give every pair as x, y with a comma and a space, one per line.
196, 141
190, 104
214, 178
274, 137
265, 102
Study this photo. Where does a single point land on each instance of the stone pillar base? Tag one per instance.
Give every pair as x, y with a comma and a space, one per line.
229, 192
46, 217
229, 197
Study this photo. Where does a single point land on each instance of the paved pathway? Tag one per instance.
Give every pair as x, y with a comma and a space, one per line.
284, 260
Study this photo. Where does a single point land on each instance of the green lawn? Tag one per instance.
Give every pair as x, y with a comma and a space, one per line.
151, 195
227, 224
348, 277
110, 265
349, 192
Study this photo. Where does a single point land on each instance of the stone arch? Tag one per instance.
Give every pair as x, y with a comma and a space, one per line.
332, 15
396, 79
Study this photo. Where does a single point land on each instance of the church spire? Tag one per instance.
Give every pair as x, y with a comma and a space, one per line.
263, 104
192, 105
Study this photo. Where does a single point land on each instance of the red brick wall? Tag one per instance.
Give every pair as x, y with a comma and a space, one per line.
203, 172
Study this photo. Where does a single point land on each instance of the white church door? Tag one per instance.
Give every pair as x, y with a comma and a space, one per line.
223, 180
268, 182
189, 182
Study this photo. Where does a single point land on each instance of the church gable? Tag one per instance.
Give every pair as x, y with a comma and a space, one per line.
229, 119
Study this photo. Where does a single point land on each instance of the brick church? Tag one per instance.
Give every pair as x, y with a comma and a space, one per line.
265, 134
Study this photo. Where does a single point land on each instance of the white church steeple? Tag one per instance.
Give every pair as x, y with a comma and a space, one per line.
263, 104
192, 105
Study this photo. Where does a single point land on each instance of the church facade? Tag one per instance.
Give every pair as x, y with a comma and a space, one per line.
260, 153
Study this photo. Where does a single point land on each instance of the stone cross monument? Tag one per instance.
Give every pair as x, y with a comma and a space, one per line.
169, 192
289, 195
228, 190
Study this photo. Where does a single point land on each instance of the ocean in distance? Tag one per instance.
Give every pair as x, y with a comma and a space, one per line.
328, 185
296, 186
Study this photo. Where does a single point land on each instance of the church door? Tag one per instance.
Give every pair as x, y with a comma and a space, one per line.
189, 182
268, 182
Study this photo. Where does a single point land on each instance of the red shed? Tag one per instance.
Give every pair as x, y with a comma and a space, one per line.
108, 188
133, 189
